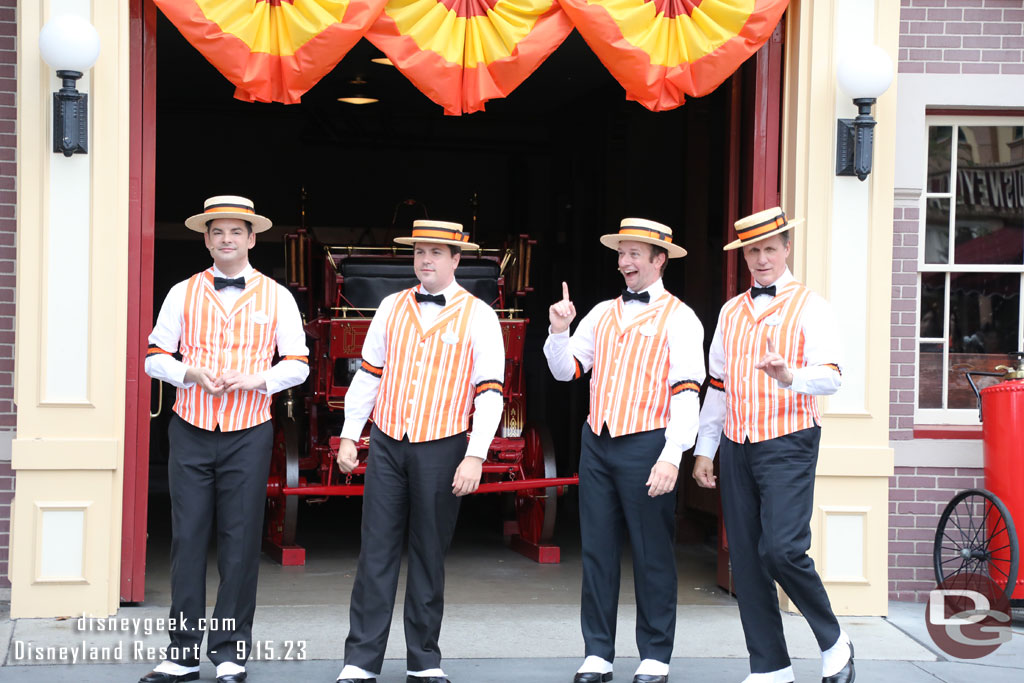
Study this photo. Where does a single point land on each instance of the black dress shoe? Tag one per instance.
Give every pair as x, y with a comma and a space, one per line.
426, 679
592, 677
161, 677
232, 678
356, 680
846, 675
649, 678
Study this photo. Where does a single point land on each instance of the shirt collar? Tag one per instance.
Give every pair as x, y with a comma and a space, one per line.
780, 282
448, 291
246, 272
655, 289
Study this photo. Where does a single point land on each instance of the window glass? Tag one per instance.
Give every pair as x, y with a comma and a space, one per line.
929, 385
936, 236
933, 302
969, 315
989, 196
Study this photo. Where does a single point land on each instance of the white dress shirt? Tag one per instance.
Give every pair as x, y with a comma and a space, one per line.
291, 337
488, 364
821, 346
686, 362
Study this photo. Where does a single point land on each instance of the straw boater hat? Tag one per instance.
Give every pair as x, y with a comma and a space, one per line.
228, 206
438, 232
641, 230
761, 225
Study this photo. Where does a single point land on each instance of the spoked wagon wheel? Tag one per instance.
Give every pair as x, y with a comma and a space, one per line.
282, 510
976, 536
535, 508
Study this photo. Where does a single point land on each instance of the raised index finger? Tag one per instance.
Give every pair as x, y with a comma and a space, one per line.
771, 345
565, 292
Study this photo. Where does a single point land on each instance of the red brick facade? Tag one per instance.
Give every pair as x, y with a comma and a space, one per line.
903, 324
917, 497
962, 37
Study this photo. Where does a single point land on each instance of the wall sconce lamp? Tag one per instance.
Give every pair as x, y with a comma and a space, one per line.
70, 44
864, 74
358, 92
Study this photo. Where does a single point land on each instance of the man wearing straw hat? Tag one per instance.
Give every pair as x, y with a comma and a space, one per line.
432, 353
645, 348
227, 323
775, 348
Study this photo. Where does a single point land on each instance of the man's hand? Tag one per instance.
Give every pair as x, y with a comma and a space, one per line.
704, 472
205, 378
348, 456
662, 479
467, 476
562, 313
775, 366
233, 380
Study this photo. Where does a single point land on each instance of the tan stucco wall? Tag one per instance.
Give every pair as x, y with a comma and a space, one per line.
855, 460
68, 453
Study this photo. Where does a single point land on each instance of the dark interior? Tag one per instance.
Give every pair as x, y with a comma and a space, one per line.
563, 159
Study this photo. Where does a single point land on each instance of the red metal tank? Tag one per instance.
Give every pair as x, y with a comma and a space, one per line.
1002, 413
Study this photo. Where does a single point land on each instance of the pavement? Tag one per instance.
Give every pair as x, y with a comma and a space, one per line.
496, 643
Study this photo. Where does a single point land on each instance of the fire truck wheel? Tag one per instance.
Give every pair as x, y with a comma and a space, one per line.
535, 508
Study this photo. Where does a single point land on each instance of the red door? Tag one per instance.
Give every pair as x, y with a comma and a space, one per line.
142, 50
755, 114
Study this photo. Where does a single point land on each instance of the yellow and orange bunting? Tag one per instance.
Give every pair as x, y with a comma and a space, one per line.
462, 53
662, 50
272, 50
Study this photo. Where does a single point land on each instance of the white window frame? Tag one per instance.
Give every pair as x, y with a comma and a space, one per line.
951, 416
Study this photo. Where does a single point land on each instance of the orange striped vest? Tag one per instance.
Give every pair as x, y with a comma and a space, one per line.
629, 388
426, 389
757, 408
242, 339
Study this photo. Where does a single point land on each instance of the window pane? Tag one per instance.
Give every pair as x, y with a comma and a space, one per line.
936, 236
984, 311
939, 156
990, 196
929, 388
933, 296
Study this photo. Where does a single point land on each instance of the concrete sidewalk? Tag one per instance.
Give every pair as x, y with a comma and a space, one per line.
498, 643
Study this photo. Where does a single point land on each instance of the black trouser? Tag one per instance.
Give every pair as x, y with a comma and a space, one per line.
405, 483
216, 478
767, 500
614, 501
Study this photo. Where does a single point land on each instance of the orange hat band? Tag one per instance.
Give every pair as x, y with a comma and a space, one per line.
229, 208
440, 233
645, 232
759, 229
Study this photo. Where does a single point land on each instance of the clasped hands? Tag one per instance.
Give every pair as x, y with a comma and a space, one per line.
467, 475
230, 380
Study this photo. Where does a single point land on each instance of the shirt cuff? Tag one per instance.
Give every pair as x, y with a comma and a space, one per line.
706, 446
671, 454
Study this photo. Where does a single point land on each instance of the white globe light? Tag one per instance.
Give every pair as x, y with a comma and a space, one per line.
69, 43
865, 72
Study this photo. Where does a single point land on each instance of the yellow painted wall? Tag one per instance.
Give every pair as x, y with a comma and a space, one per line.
68, 455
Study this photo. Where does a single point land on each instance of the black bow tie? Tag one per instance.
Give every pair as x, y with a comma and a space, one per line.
756, 291
430, 298
642, 297
220, 283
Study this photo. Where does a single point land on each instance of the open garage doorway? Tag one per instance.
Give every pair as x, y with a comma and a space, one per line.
563, 159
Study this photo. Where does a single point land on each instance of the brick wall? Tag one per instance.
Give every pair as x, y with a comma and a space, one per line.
903, 323
961, 37
8, 111
917, 497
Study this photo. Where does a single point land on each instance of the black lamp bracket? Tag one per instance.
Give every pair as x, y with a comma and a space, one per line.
70, 116
855, 141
